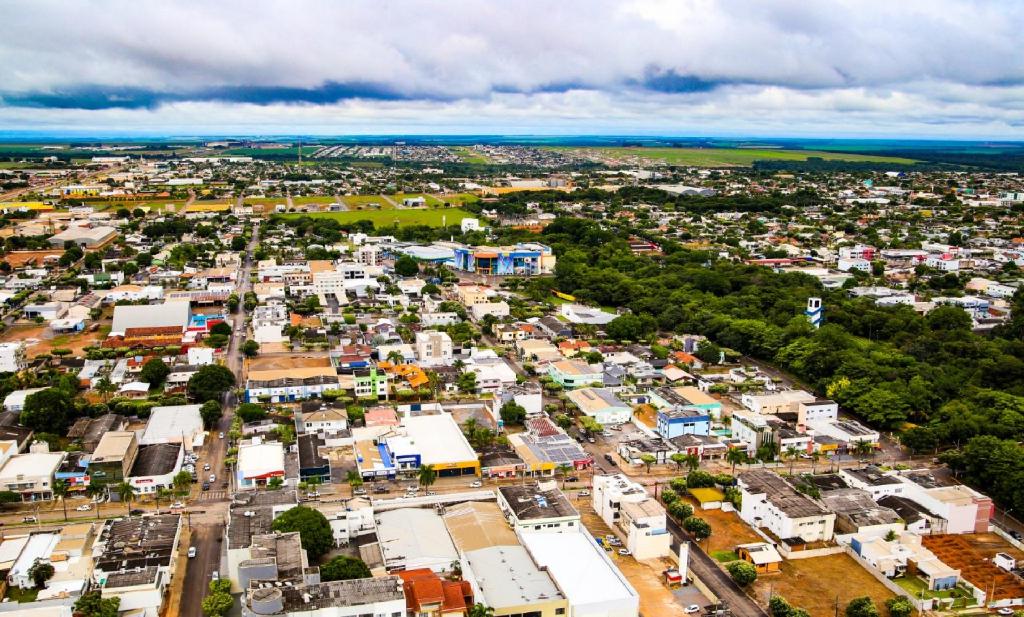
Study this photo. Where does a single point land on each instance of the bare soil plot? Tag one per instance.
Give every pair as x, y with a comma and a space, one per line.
727, 529
274, 363
814, 583
972, 554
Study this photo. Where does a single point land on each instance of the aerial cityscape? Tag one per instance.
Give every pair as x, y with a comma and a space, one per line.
479, 309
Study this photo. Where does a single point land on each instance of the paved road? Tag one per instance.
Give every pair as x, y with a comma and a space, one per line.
207, 538
705, 568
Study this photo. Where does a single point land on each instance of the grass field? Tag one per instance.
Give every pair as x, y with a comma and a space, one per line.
385, 218
458, 199
470, 156
292, 151
431, 200
314, 199
732, 157
367, 202
265, 201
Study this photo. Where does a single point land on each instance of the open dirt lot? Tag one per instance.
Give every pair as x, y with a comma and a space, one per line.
272, 363
644, 576
813, 584
727, 529
40, 340
971, 554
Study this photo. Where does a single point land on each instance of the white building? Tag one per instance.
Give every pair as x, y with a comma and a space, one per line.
772, 503
258, 462
853, 263
497, 309
12, 357
537, 508
31, 474
413, 538
625, 505
433, 348
174, 424
15, 401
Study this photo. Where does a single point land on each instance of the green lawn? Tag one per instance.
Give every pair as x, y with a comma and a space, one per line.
918, 588
17, 594
431, 200
457, 199
375, 202
724, 556
314, 199
385, 218
470, 156
742, 157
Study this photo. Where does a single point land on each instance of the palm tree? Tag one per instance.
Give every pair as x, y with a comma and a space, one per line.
481, 610
427, 476
105, 387
735, 456
354, 479
692, 462
563, 469
791, 453
94, 490
395, 357
862, 448
60, 491
434, 380
815, 457
126, 492
161, 493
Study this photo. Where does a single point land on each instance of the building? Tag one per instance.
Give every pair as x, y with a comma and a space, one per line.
370, 383
359, 597
590, 582
572, 374
291, 384
624, 505
258, 462
676, 416
905, 554
31, 474
873, 480
857, 513
84, 237
687, 396
182, 424
414, 538
134, 560
530, 507
433, 348
771, 503
602, 405
15, 401
761, 555
777, 402
507, 579
430, 439
428, 595
964, 509
114, 456
155, 467
525, 259
12, 357
169, 316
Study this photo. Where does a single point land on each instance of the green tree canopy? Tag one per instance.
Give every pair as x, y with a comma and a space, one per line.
344, 568
210, 382
314, 530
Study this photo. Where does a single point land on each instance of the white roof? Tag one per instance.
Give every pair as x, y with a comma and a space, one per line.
507, 577
150, 316
32, 465
438, 439
17, 398
260, 459
415, 535
169, 424
580, 567
40, 546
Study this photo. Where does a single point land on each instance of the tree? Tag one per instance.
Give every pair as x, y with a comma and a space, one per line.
734, 457
275, 483
210, 412
744, 573
48, 411
60, 491
481, 610
406, 266
221, 585
217, 604
93, 604
251, 412
698, 527
182, 482
861, 607
314, 530
354, 479
221, 327
680, 510
512, 412
899, 606
792, 452
648, 460
126, 492
9, 497
692, 462
105, 387
210, 382
708, 352
343, 568
563, 470
427, 476
678, 458
250, 348
154, 372
40, 572
466, 382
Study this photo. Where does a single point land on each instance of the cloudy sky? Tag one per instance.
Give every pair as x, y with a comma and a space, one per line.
892, 68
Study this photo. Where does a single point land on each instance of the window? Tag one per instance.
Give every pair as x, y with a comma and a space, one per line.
559, 611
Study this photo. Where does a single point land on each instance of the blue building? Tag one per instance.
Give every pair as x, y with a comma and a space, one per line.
677, 421
528, 258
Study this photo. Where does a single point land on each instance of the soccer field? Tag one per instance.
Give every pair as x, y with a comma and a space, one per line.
385, 218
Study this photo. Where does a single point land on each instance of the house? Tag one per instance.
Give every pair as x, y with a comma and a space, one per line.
433, 348
498, 310
602, 405
771, 503
761, 555
573, 374
15, 401
687, 396
290, 384
428, 595
904, 555
683, 421
857, 513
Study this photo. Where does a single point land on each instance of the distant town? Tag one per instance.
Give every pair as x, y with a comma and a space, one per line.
311, 378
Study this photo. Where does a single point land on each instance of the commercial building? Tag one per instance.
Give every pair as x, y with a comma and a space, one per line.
134, 560
412, 538
169, 316
114, 456
291, 384
530, 507
31, 475
525, 259
507, 579
155, 467
687, 396
572, 374
359, 597
771, 503
258, 462
625, 505
84, 236
431, 439
181, 424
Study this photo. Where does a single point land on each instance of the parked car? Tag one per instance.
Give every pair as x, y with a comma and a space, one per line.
1005, 611
624, 552
29, 519
206, 467
206, 486
608, 457
359, 491
213, 478
215, 576
476, 484
191, 552
591, 440
136, 512
177, 505
693, 608
220, 434
583, 493
84, 508
380, 489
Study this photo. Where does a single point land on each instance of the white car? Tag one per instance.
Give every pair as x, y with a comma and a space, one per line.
84, 508
206, 467
583, 493
693, 608
221, 434
191, 552
1005, 611
624, 552
476, 484
213, 478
